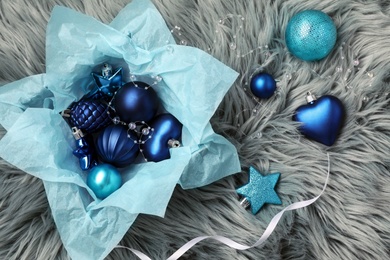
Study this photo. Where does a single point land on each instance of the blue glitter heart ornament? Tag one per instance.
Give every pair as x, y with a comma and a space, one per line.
321, 119
310, 35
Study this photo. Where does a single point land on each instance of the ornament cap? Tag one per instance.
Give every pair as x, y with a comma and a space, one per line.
173, 143
106, 70
245, 203
310, 97
66, 113
77, 133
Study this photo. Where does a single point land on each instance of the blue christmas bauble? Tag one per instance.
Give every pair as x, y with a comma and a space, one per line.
117, 146
321, 119
310, 35
103, 180
136, 101
166, 133
89, 115
263, 85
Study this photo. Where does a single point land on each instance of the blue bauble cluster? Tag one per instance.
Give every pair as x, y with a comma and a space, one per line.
127, 117
310, 35
263, 85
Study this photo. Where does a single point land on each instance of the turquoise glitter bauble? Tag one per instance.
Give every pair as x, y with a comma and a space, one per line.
103, 180
310, 35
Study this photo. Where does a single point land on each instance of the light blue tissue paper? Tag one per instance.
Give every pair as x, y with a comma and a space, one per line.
17, 96
193, 84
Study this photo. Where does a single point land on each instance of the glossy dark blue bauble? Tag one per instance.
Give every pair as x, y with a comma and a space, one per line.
136, 101
166, 127
89, 115
263, 85
116, 145
103, 180
321, 119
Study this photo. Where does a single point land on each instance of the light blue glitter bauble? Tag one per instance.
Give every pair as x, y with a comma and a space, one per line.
310, 35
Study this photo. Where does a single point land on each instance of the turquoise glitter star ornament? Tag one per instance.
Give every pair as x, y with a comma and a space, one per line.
40, 142
260, 190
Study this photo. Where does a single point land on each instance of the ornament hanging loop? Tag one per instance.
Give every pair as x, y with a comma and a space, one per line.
310, 97
106, 70
77, 133
245, 203
173, 143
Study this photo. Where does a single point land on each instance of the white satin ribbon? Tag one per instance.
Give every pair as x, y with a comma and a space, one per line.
231, 243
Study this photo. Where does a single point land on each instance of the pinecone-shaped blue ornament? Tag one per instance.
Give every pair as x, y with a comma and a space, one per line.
89, 115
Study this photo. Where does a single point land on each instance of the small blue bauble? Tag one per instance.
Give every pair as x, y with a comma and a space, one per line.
263, 85
321, 119
116, 145
166, 130
311, 35
136, 101
103, 180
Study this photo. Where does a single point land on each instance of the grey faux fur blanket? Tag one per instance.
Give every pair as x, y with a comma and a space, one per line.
352, 218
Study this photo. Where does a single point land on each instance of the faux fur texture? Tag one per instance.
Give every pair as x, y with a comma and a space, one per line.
350, 221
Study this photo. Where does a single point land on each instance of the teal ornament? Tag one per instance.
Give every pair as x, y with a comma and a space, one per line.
263, 85
310, 35
103, 180
260, 190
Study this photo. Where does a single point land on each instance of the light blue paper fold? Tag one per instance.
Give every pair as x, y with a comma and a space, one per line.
138, 40
17, 96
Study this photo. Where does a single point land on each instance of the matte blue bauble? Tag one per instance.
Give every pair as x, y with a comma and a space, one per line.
166, 127
116, 145
89, 115
263, 85
103, 180
321, 119
136, 101
310, 35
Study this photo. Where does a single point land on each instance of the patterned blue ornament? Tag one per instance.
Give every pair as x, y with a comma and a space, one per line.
260, 190
165, 134
117, 145
106, 84
321, 119
310, 35
89, 115
103, 180
84, 151
263, 85
136, 101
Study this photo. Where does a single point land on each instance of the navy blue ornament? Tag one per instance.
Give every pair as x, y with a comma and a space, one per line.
321, 119
136, 101
106, 84
89, 115
84, 151
263, 85
103, 180
117, 145
165, 134
310, 35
